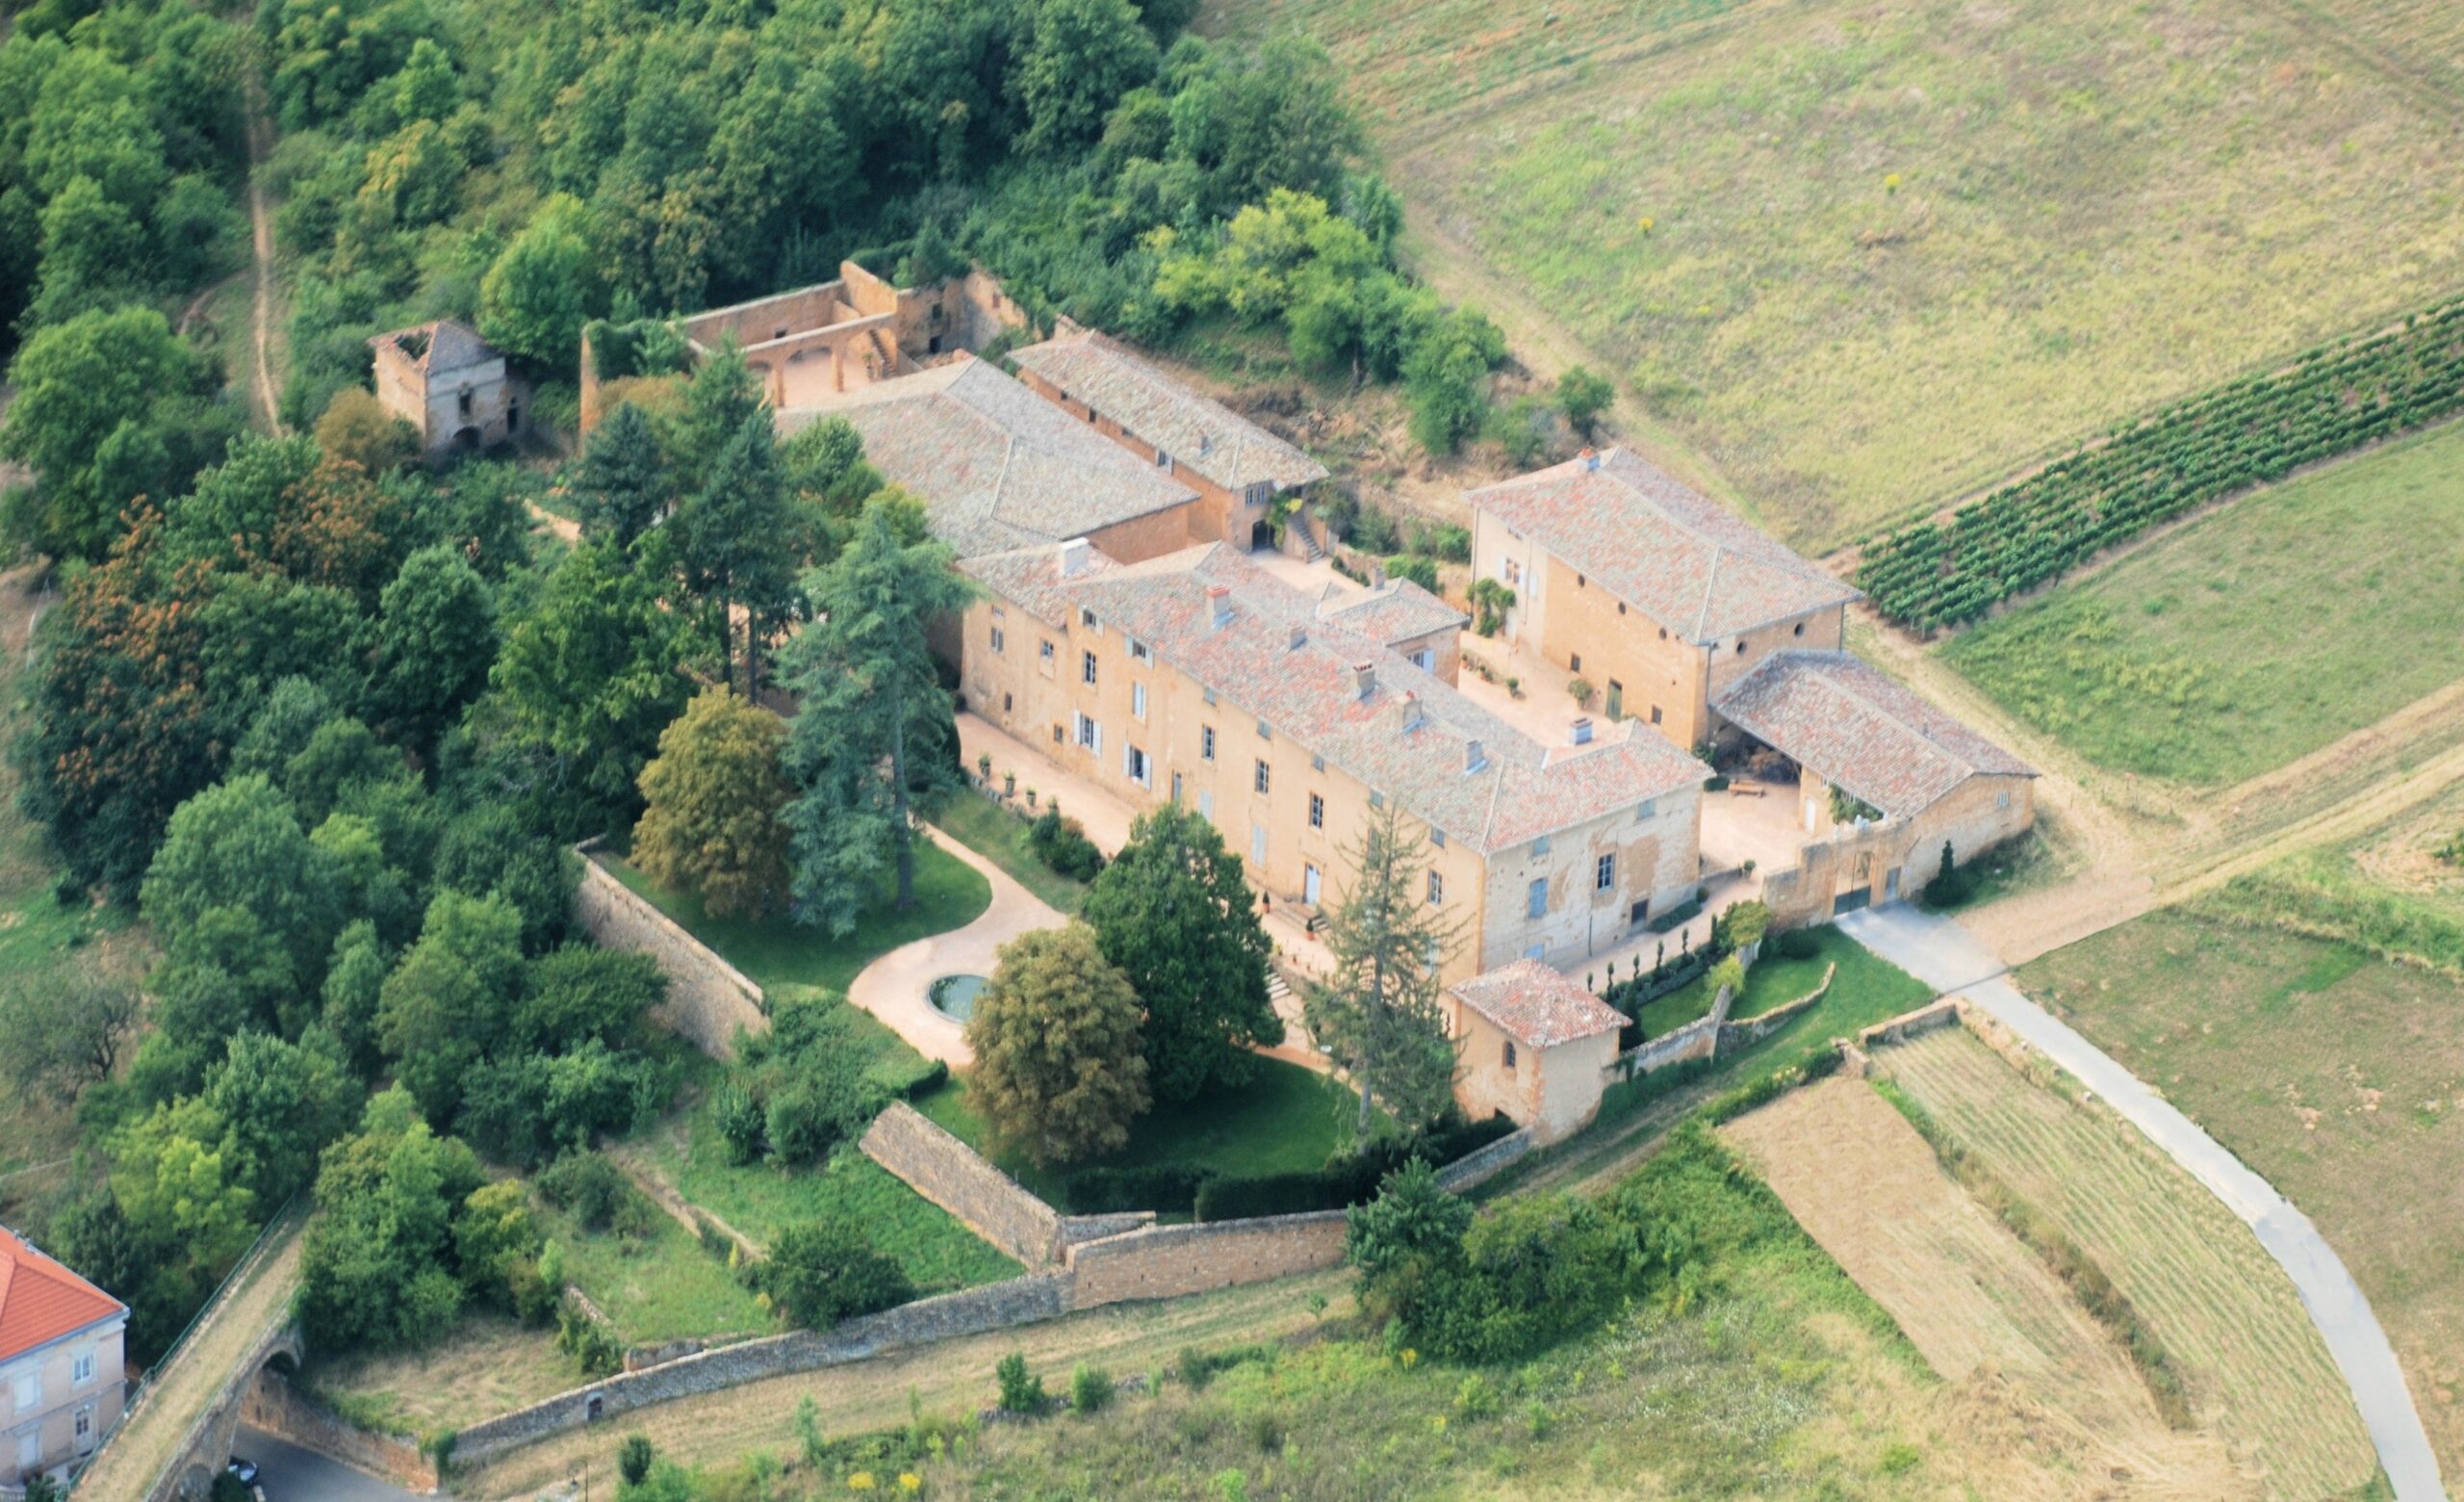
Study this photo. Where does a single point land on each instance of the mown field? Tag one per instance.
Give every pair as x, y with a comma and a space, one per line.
1868, 258
2230, 1323
2337, 1076
2252, 637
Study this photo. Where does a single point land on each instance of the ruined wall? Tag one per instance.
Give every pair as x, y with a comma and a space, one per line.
707, 999
959, 1179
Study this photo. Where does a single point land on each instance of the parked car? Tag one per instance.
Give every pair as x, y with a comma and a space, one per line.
246, 1471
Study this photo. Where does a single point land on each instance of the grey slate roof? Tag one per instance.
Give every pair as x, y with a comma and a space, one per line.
1681, 557
1854, 728
1275, 659
995, 465
1199, 433
450, 345
1537, 1006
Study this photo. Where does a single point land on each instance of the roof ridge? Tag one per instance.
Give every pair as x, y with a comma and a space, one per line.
1850, 692
1710, 585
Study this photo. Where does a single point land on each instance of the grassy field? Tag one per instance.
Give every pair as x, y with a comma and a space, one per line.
660, 1285
760, 1200
1967, 1292
491, 1365
1287, 1120
2254, 636
2227, 1317
1000, 837
1866, 259
2336, 1077
779, 950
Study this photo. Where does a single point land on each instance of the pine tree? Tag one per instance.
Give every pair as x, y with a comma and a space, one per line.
871, 711
623, 483
733, 548
1379, 1015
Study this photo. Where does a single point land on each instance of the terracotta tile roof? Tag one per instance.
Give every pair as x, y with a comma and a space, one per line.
1198, 433
1854, 728
996, 466
1537, 1006
41, 1301
445, 345
1395, 612
1410, 735
1681, 557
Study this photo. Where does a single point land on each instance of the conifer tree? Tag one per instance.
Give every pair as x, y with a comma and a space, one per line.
1379, 1014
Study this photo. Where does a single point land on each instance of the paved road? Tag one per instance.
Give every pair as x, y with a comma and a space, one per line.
1947, 957
288, 1473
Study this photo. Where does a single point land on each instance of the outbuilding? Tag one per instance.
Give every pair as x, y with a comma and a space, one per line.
1534, 1043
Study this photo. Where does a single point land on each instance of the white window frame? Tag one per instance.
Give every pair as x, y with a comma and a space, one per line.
1261, 781
1138, 652
1317, 812
1604, 873
1436, 889
1086, 734
1138, 701
1138, 766
1206, 742
81, 1366
1086, 668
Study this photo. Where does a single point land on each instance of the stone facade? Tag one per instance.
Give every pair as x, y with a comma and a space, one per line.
1844, 867
453, 388
1552, 1090
58, 1400
959, 1179
820, 341
281, 1410
1167, 1262
707, 999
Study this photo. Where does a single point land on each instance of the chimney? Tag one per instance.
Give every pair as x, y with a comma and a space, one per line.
1074, 556
1590, 457
1219, 607
1377, 576
1410, 709
1473, 757
1364, 678
1582, 729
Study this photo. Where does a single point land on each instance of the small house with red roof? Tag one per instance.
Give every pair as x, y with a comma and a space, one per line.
61, 1372
1532, 1042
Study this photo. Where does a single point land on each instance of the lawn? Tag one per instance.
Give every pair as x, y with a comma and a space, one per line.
1772, 982
488, 1366
2255, 636
760, 1200
1287, 1120
1000, 836
779, 950
657, 1286
1867, 260
2336, 1077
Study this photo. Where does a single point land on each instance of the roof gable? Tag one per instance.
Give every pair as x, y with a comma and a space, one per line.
1684, 559
40, 1299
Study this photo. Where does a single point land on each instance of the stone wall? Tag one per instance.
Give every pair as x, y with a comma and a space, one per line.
1481, 1164
1909, 1024
707, 999
959, 1179
281, 1410
1021, 1301
1075, 1228
1695, 1040
1752, 1029
1167, 1262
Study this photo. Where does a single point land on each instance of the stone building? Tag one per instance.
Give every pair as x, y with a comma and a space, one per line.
1532, 1044
450, 385
1657, 595
1199, 677
60, 1377
1236, 467
823, 340
1926, 777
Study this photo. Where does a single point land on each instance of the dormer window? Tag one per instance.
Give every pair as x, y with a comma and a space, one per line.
1087, 619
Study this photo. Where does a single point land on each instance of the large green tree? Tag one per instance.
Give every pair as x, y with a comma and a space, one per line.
436, 637
545, 286
1380, 1012
621, 486
732, 540
1058, 1073
449, 1003
870, 702
714, 798
1173, 913
239, 844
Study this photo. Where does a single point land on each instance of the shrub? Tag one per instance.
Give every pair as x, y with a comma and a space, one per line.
1420, 570
820, 1272
1090, 1389
634, 1459
1022, 1391
738, 1118
1581, 692
1450, 544
1796, 943
1170, 1188
595, 1193
1061, 843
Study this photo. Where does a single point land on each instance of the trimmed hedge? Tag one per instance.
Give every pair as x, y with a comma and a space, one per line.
1347, 1179
2248, 433
1167, 1189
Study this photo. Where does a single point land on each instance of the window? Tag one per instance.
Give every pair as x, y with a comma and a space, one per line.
1206, 743
80, 1368
1509, 1054
1317, 764
1206, 804
1536, 902
1264, 731
1207, 694
1376, 799
1005, 704
1513, 572
1000, 643
1087, 619
1163, 461
29, 1391
1621, 606
1086, 667
1740, 648
1580, 581
2001, 800
1262, 777
1640, 911
1801, 628
1176, 787
1141, 771
466, 403
1655, 714
1644, 810
1060, 737
1043, 650
1574, 662
1436, 889
1540, 846
1317, 812
1425, 660
1138, 652
1138, 700
1090, 735
1603, 874
1437, 838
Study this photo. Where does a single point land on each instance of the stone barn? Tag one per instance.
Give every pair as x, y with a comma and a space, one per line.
1532, 1042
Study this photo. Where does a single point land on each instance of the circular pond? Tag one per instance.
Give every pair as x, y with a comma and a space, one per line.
954, 996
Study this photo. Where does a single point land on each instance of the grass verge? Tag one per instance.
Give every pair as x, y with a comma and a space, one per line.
1000, 836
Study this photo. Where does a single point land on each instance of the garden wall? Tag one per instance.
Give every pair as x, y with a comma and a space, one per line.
959, 1179
280, 1410
1481, 1164
707, 999
1021, 1301
1167, 1262
1752, 1029
1909, 1024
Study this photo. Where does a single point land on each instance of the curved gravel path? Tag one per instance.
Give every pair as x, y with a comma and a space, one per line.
1947, 957
896, 987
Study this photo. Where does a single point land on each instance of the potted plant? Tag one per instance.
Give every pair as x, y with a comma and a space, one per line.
1009, 784
984, 767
